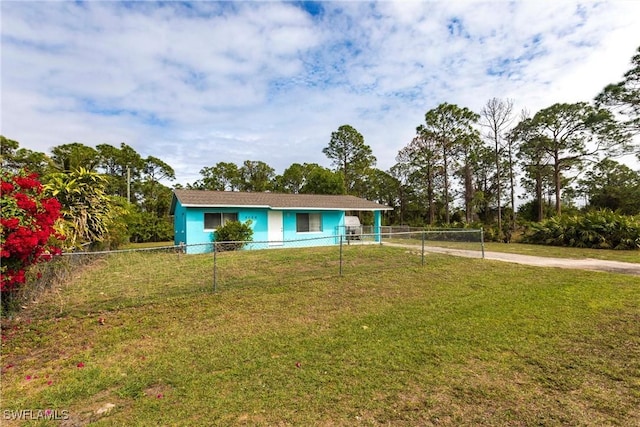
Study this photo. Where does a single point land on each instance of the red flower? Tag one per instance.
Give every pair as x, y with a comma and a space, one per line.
10, 223
26, 232
6, 187
28, 182
80, 365
25, 202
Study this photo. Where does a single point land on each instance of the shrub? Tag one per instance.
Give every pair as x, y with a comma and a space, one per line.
87, 210
233, 235
148, 227
597, 229
27, 229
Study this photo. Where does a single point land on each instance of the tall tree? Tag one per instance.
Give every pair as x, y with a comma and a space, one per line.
573, 133
69, 157
13, 158
535, 161
624, 96
420, 162
351, 156
295, 179
496, 117
224, 176
292, 179
123, 166
256, 176
33, 161
383, 187
484, 180
8, 149
470, 156
321, 180
154, 196
452, 128
614, 186
157, 170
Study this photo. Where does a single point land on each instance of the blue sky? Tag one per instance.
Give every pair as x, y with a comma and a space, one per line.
203, 82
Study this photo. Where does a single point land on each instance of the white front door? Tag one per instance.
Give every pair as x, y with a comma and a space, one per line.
276, 229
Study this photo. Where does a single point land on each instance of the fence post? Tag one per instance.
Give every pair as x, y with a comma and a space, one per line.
215, 267
341, 255
482, 240
423, 236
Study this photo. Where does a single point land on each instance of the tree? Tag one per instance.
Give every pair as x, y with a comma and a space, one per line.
485, 185
382, 188
256, 176
156, 170
350, 156
33, 161
123, 166
535, 162
452, 128
224, 176
470, 152
13, 158
624, 96
8, 149
291, 180
147, 227
323, 181
420, 163
155, 197
28, 232
496, 115
572, 133
612, 185
69, 157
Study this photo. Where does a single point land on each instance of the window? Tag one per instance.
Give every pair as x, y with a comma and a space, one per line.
308, 222
214, 220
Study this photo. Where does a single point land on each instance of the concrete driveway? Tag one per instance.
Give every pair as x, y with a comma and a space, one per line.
577, 264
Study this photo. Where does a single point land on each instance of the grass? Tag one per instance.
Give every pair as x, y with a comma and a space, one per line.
147, 245
285, 340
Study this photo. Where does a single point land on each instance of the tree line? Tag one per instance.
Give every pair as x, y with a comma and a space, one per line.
460, 167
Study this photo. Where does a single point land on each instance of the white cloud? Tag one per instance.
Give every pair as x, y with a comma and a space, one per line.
199, 83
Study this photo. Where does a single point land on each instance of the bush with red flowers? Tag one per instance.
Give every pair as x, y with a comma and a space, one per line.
27, 228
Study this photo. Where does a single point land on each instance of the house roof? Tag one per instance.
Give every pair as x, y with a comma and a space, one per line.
219, 199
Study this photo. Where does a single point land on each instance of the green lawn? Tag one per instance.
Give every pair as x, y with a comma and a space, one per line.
285, 340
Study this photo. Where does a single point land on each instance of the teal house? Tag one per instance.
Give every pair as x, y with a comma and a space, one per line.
277, 220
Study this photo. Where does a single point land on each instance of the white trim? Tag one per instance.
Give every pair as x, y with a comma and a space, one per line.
191, 205
297, 208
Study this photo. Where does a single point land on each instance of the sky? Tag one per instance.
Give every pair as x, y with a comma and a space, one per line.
197, 83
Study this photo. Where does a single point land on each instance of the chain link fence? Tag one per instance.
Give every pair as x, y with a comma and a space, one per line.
127, 277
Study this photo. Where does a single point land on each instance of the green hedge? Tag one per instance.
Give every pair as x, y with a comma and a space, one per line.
598, 229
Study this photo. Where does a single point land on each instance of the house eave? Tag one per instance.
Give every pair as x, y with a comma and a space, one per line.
289, 208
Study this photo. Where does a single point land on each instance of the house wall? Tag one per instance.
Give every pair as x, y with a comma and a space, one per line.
197, 235
179, 225
377, 222
189, 228
331, 221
